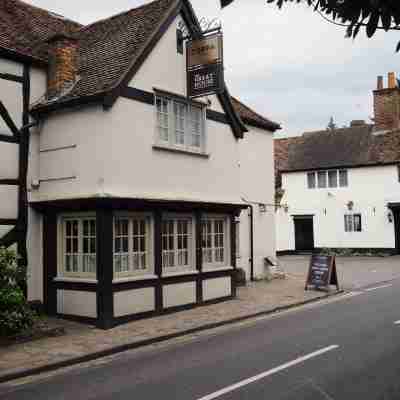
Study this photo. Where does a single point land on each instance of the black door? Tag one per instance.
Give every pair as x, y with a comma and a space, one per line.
304, 234
396, 214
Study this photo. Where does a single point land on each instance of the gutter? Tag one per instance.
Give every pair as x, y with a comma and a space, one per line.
251, 259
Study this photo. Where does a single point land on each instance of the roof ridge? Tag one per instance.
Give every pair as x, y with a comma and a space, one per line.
117, 15
48, 12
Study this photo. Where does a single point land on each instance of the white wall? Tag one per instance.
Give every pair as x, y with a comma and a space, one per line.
73, 302
179, 294
370, 188
257, 186
216, 288
134, 301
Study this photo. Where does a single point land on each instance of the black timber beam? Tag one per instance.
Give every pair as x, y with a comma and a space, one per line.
10, 182
11, 77
8, 120
9, 139
8, 221
9, 238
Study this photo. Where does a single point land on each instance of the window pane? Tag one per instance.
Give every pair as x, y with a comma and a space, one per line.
311, 180
343, 179
321, 179
357, 222
332, 178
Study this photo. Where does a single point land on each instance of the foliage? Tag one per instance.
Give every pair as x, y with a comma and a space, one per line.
331, 125
15, 314
355, 14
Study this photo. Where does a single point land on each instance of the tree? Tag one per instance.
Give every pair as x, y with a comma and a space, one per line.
331, 125
372, 15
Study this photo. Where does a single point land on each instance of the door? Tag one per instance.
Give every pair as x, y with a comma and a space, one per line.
304, 233
396, 223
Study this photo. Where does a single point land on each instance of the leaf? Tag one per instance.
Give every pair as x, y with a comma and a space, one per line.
372, 24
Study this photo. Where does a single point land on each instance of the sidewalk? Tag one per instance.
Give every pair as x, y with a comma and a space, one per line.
83, 342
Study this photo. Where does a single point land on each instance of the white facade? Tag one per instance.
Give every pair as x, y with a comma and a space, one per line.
369, 188
90, 153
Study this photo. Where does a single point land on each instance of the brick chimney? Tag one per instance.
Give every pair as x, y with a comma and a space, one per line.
63, 63
387, 104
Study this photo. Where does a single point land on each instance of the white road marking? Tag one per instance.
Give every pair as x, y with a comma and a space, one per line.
270, 372
397, 322
377, 287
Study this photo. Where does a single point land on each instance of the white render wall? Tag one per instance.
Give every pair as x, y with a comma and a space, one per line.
257, 186
370, 189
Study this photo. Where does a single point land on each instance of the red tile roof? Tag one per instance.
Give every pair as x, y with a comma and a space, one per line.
24, 28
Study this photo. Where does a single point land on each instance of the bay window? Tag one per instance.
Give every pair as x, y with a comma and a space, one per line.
78, 247
180, 124
132, 245
177, 243
214, 241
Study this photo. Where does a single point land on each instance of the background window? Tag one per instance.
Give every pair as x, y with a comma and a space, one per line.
332, 179
352, 223
321, 179
131, 245
343, 179
79, 247
311, 180
162, 119
176, 243
214, 241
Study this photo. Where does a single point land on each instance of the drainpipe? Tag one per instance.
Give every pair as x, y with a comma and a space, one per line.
251, 215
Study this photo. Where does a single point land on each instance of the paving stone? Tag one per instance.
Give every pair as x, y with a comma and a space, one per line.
81, 339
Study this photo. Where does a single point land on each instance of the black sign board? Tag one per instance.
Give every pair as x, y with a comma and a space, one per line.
322, 272
205, 71
205, 80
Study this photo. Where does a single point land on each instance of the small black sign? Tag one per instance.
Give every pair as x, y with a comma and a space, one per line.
205, 80
322, 272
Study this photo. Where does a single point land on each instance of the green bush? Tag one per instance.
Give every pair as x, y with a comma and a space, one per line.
15, 314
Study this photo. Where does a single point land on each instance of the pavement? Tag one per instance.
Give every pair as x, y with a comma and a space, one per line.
83, 342
353, 272
346, 347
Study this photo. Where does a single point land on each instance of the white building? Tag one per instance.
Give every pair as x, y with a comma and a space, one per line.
123, 197
340, 189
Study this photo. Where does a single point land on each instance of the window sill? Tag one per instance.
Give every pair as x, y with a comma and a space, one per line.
211, 269
179, 273
135, 278
77, 280
172, 149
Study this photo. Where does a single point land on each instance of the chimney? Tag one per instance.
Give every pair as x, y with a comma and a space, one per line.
63, 64
387, 104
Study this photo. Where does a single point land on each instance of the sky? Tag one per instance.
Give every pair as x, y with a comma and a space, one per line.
289, 65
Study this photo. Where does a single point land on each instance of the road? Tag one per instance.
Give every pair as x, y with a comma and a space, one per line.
346, 348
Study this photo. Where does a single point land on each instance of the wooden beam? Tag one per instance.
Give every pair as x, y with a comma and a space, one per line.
10, 182
9, 238
11, 77
8, 120
9, 139
8, 221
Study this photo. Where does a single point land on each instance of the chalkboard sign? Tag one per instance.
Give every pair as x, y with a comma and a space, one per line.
322, 272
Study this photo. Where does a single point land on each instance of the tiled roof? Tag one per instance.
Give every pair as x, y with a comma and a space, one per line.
24, 28
345, 147
250, 117
108, 47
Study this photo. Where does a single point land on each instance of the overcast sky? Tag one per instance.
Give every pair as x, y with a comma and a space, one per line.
289, 65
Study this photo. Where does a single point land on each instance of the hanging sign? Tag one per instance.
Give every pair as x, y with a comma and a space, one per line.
205, 71
322, 272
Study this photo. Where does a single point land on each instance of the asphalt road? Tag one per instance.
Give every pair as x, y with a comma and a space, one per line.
348, 348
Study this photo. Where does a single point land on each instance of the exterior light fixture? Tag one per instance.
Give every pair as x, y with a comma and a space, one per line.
390, 217
350, 205
262, 207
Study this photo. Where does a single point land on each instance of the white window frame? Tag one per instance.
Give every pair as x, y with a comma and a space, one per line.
61, 227
227, 235
309, 174
349, 225
149, 224
347, 177
188, 134
191, 245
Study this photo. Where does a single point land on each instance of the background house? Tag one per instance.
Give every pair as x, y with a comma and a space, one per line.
340, 188
131, 200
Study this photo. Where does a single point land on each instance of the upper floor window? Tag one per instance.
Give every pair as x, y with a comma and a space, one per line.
330, 178
180, 124
78, 244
